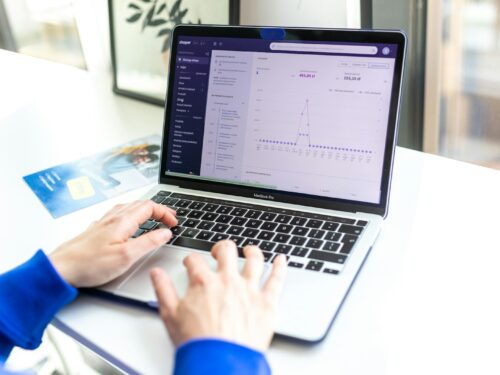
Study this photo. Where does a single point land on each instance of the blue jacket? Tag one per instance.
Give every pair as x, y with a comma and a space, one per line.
32, 293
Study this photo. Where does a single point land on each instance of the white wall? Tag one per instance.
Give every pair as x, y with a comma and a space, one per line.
312, 13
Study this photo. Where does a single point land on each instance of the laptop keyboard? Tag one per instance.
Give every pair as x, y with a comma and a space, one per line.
312, 242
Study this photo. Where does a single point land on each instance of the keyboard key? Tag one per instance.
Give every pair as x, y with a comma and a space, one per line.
316, 233
362, 223
191, 223
283, 228
209, 207
349, 239
300, 231
283, 219
265, 245
253, 223
164, 193
138, 232
350, 229
277, 255
331, 246
332, 236
299, 251
342, 220
238, 221
295, 264
205, 235
282, 238
205, 225
327, 256
209, 216
346, 248
238, 240
268, 226
314, 266
314, 223
299, 221
234, 230
190, 232
267, 255
251, 241
265, 235
250, 233
177, 230
267, 216
158, 198
193, 243
331, 271
148, 225
195, 214
224, 210
182, 211
181, 220
224, 219
219, 237
239, 211
283, 249
315, 244
328, 225
299, 241
253, 214
183, 203
220, 228
196, 205
170, 202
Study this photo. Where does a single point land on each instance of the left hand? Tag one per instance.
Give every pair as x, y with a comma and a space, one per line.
105, 251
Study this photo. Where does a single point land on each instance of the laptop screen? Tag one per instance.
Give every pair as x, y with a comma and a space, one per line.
291, 116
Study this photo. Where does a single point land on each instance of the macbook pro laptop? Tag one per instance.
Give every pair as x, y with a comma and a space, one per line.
281, 138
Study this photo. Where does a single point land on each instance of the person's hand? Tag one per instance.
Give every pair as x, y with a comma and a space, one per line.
223, 304
105, 251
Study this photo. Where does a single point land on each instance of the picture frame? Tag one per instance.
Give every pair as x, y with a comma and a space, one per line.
140, 33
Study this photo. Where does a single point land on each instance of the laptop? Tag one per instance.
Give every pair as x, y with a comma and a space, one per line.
282, 138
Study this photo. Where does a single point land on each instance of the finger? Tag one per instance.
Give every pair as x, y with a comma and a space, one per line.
142, 211
274, 284
226, 254
198, 270
254, 264
165, 293
138, 247
115, 209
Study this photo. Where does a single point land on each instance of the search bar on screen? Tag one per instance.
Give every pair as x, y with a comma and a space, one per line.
324, 48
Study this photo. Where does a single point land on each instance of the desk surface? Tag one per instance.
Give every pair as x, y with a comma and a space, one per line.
427, 300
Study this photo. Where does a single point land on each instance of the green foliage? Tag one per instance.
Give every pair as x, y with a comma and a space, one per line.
156, 13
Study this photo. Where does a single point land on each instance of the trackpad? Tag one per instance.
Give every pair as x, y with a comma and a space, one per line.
138, 285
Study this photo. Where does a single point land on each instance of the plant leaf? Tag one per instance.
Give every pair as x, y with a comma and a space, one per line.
146, 1
182, 14
175, 8
134, 17
161, 8
163, 32
148, 17
134, 6
199, 21
157, 22
166, 43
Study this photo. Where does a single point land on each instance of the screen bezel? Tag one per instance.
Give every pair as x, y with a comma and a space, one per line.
333, 35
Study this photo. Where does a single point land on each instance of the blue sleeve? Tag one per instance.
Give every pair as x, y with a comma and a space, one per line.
214, 356
30, 296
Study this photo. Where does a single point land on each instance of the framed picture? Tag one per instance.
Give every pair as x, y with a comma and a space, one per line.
140, 32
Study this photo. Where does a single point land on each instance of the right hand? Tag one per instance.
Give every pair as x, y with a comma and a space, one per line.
223, 304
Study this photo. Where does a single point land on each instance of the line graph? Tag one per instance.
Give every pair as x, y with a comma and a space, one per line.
303, 138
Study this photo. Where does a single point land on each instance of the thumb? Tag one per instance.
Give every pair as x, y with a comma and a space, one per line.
149, 241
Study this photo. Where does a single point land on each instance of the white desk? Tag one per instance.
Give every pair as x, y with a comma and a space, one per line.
427, 300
